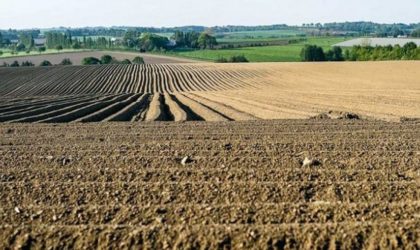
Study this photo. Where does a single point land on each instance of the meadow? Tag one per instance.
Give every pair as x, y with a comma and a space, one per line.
258, 35
282, 53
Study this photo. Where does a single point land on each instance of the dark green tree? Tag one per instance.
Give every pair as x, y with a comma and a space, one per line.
205, 41
27, 64
238, 59
26, 39
150, 42
416, 33
312, 53
91, 61
66, 61
55, 39
20, 47
45, 63
42, 49
76, 45
15, 64
106, 59
335, 54
131, 38
180, 38
409, 51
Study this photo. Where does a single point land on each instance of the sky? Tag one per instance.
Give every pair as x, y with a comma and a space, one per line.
19, 14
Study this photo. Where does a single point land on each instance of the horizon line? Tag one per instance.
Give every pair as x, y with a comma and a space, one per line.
204, 26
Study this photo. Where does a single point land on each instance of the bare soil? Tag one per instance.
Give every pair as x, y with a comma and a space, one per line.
213, 92
77, 57
71, 176
122, 185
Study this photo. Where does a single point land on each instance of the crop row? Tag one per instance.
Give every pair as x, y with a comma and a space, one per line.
117, 107
78, 80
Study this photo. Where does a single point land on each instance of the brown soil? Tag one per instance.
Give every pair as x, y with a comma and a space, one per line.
122, 185
77, 57
211, 92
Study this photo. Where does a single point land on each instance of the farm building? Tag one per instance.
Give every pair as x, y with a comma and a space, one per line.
40, 42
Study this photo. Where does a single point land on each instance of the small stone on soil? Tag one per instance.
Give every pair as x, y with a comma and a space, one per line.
310, 162
66, 160
185, 160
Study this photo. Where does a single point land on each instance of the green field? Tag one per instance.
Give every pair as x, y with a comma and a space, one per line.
286, 53
257, 36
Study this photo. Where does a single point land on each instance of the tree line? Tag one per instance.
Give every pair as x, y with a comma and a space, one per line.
313, 53
133, 39
369, 28
107, 59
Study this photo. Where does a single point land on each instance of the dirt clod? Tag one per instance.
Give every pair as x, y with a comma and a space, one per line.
256, 196
338, 115
228, 146
307, 162
348, 116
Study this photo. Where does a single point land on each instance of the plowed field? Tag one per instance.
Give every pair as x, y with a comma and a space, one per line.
210, 92
122, 185
254, 178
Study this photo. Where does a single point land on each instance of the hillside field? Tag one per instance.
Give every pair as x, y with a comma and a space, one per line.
282, 53
211, 156
211, 92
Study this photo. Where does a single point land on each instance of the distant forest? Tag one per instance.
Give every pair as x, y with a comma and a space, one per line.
355, 28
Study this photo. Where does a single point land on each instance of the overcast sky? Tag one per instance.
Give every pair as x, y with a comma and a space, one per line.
158, 13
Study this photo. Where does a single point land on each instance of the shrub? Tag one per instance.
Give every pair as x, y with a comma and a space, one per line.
1, 53
20, 47
15, 64
45, 63
59, 47
125, 61
91, 61
66, 61
27, 64
42, 49
232, 59
138, 60
238, 59
106, 59
221, 60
